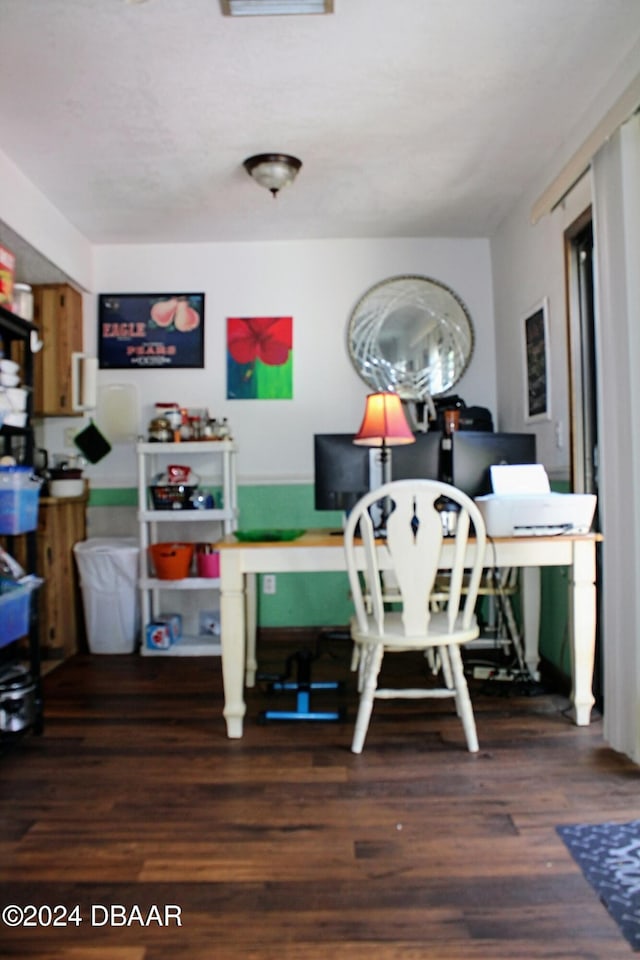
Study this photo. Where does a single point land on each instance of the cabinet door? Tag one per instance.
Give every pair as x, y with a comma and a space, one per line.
61, 524
58, 314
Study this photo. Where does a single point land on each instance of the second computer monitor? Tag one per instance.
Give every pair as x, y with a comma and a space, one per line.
341, 471
417, 460
474, 453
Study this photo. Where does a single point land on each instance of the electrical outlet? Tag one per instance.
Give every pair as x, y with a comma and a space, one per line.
69, 434
269, 583
559, 431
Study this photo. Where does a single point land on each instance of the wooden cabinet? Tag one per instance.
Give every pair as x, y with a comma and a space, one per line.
62, 522
57, 312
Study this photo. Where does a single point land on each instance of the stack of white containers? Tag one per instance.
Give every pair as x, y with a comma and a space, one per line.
13, 397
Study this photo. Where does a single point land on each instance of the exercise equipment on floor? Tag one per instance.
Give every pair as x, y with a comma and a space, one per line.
302, 685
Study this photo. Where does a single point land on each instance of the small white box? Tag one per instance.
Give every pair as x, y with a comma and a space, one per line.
209, 623
174, 622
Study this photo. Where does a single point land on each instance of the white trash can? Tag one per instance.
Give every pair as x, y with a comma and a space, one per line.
108, 569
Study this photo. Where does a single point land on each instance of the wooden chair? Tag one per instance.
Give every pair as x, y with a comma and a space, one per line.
412, 549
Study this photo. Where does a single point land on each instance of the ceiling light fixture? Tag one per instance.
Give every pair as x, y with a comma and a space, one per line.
272, 170
268, 8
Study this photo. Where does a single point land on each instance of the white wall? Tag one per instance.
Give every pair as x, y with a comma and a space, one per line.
528, 264
34, 218
316, 282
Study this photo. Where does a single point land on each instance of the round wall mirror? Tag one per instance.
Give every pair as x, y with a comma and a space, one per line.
412, 336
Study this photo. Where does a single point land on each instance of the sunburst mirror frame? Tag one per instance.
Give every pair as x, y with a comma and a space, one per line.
411, 335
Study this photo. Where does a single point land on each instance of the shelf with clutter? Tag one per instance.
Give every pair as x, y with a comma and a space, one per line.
183, 509
21, 707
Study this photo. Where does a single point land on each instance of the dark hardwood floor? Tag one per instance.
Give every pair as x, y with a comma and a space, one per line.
284, 845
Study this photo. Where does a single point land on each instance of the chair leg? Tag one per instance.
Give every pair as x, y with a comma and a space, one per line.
366, 653
463, 700
446, 667
447, 673
373, 661
355, 657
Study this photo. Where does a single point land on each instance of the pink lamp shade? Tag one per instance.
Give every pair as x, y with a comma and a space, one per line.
384, 423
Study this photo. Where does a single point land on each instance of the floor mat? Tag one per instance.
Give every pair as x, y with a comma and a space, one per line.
609, 857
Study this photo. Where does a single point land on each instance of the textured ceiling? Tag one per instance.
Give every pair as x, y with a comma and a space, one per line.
411, 117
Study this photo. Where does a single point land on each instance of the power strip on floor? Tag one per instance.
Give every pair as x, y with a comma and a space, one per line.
493, 673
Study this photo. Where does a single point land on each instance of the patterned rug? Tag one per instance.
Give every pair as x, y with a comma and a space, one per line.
609, 857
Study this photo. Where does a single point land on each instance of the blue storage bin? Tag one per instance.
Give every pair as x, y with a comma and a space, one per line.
19, 500
15, 601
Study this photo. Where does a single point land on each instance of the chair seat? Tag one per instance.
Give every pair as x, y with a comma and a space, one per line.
394, 636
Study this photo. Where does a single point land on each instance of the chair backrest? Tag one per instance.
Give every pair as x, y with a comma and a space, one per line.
412, 548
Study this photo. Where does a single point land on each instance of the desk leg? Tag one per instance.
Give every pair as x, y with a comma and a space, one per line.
582, 624
531, 618
251, 622
232, 636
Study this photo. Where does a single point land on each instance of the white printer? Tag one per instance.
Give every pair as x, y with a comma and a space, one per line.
522, 504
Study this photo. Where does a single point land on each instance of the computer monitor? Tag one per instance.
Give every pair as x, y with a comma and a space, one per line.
419, 460
341, 471
474, 452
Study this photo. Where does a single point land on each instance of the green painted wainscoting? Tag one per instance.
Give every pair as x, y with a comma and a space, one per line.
305, 600
554, 619
301, 600
322, 599
554, 610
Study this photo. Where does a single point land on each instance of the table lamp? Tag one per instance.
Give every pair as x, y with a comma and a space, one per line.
384, 425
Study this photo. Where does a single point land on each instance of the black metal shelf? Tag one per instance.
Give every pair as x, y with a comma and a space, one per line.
14, 329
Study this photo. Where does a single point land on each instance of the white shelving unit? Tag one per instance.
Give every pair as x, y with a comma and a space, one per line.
214, 463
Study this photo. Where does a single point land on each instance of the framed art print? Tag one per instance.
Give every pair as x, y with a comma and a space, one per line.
537, 401
259, 358
150, 330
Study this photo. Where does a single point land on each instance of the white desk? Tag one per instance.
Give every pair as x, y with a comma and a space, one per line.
318, 551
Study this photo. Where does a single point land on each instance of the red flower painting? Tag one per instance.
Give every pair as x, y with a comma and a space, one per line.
259, 358
260, 338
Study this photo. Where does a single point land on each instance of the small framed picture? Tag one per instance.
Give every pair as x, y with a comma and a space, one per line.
144, 331
537, 399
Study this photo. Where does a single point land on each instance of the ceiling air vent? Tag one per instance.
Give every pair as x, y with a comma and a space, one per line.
269, 8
